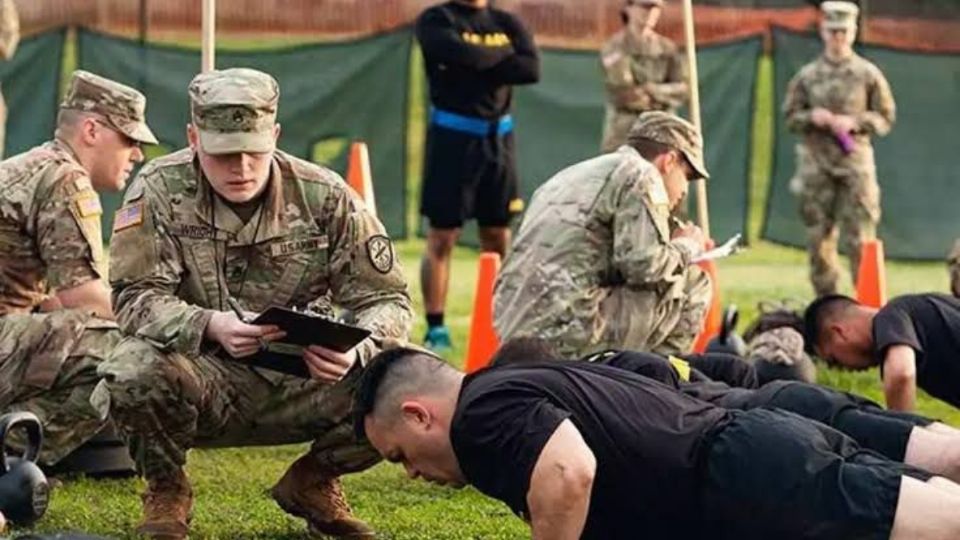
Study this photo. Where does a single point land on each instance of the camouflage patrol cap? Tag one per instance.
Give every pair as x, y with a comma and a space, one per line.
235, 110
123, 107
675, 132
839, 15
782, 346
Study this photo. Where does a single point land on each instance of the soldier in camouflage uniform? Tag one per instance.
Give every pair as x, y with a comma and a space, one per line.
953, 266
51, 260
836, 103
595, 265
9, 39
232, 217
643, 71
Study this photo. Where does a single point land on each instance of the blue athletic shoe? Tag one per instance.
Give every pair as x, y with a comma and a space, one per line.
438, 339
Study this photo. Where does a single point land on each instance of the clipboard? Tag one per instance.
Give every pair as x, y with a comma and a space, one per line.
303, 329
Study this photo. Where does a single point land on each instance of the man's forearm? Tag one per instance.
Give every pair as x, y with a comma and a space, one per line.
901, 393
561, 514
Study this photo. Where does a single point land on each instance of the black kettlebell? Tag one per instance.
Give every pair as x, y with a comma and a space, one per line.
24, 491
728, 341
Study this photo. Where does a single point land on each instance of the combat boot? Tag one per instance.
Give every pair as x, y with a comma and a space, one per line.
167, 507
310, 492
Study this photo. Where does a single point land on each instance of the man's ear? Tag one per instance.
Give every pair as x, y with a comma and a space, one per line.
276, 132
193, 138
416, 414
88, 130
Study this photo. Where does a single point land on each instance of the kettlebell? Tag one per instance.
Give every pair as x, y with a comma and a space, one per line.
728, 341
24, 491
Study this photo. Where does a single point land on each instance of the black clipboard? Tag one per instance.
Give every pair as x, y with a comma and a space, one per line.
302, 329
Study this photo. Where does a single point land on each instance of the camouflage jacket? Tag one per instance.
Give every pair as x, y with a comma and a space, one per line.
49, 226
178, 251
853, 87
597, 225
629, 63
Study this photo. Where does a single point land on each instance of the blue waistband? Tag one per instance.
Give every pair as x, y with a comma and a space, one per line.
469, 124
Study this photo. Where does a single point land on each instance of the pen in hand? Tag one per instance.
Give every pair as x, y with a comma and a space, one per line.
235, 306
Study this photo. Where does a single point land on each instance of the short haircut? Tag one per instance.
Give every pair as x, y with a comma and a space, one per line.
69, 119
524, 349
649, 148
394, 374
819, 314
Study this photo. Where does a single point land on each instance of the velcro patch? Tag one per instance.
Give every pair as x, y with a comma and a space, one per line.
82, 183
88, 204
516, 206
200, 232
303, 245
128, 216
380, 253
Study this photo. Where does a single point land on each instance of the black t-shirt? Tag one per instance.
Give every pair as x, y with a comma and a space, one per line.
930, 325
647, 439
472, 56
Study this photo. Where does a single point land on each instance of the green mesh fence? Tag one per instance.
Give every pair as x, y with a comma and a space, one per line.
30, 84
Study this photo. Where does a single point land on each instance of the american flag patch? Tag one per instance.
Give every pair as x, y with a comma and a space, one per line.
88, 205
128, 216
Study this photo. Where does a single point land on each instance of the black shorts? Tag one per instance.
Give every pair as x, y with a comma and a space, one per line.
864, 421
771, 474
468, 176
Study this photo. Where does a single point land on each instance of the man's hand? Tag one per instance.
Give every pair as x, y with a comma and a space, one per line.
821, 117
238, 338
689, 230
327, 365
843, 124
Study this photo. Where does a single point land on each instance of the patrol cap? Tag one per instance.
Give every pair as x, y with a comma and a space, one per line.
839, 15
234, 110
123, 107
675, 132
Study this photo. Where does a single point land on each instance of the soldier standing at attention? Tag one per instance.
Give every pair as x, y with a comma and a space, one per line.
474, 55
596, 266
9, 39
643, 71
55, 315
836, 104
233, 218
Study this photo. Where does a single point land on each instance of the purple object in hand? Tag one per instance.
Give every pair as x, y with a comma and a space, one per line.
845, 140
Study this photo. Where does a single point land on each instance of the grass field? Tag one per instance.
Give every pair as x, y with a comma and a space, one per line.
231, 485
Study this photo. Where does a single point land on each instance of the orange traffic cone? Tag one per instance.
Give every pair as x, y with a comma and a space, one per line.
482, 342
713, 319
872, 275
359, 176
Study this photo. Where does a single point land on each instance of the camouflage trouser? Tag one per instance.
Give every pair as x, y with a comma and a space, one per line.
616, 126
642, 320
953, 266
167, 403
48, 366
849, 198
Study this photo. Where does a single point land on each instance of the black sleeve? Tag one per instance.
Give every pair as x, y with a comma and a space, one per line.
442, 43
646, 365
523, 66
726, 368
498, 437
894, 326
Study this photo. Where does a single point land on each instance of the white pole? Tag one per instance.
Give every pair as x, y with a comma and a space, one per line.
208, 35
703, 214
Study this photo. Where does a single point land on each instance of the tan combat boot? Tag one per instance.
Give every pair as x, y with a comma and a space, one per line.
309, 491
167, 507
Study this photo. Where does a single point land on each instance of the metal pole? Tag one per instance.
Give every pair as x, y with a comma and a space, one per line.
208, 35
144, 22
703, 215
